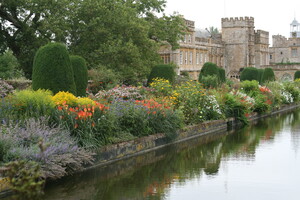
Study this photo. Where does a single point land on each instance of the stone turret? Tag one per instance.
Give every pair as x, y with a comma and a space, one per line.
239, 38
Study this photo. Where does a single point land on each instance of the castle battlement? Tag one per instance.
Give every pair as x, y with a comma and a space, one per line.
234, 19
237, 22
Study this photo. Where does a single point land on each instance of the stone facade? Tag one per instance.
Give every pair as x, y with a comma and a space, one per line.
238, 46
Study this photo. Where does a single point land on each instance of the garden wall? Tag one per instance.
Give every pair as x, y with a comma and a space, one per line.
112, 153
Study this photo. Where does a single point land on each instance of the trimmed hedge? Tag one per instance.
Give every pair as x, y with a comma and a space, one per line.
297, 75
268, 75
250, 74
162, 71
222, 76
210, 69
80, 74
52, 69
260, 73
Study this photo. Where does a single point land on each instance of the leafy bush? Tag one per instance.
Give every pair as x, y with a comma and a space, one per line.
102, 79
277, 91
222, 75
210, 81
293, 90
162, 71
249, 73
297, 75
9, 66
268, 75
250, 87
52, 69
5, 89
262, 104
28, 103
53, 148
209, 69
25, 179
80, 74
260, 74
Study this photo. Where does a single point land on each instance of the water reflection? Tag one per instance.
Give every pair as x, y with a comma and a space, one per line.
190, 166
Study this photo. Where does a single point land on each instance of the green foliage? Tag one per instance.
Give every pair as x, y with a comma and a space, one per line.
162, 71
251, 88
209, 69
122, 35
80, 74
28, 103
249, 73
210, 81
262, 104
25, 179
293, 90
268, 75
297, 75
52, 69
102, 79
260, 74
222, 75
9, 66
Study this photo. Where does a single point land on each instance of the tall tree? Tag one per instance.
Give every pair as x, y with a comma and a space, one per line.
121, 34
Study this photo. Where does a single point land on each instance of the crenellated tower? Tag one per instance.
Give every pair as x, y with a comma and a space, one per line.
238, 36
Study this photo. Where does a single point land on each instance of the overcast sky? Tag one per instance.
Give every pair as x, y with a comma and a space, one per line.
269, 15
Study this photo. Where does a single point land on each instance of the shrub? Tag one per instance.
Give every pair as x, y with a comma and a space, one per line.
268, 75
222, 75
29, 103
210, 81
52, 69
293, 90
249, 73
64, 98
5, 89
250, 87
277, 91
9, 66
260, 74
162, 71
209, 69
262, 104
80, 74
102, 79
52, 147
297, 75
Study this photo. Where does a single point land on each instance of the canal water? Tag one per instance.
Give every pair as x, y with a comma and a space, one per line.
258, 162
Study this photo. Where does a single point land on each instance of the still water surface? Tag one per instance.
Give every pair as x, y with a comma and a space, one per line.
261, 161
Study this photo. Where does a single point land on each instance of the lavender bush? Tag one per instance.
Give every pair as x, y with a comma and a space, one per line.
5, 89
52, 147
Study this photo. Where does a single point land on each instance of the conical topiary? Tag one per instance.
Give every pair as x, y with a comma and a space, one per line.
80, 74
52, 69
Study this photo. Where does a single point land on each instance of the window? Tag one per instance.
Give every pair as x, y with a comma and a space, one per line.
205, 58
191, 58
186, 58
271, 57
197, 58
190, 39
166, 58
201, 60
294, 53
184, 38
181, 57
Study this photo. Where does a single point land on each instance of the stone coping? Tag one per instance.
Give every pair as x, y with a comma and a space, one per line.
113, 153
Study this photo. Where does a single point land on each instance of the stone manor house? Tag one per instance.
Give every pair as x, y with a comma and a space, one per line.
238, 45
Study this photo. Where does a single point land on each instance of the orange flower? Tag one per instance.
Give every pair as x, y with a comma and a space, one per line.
59, 108
93, 124
76, 126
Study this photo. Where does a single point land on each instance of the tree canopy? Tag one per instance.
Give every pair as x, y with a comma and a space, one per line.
123, 35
